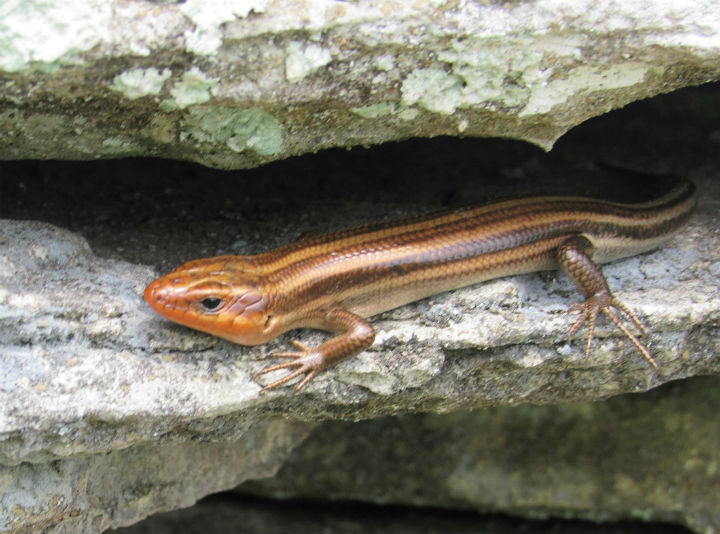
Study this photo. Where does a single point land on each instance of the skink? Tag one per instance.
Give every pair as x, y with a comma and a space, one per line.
333, 282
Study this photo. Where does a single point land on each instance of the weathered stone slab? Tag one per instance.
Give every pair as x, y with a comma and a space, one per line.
237, 84
650, 457
94, 492
91, 376
93, 385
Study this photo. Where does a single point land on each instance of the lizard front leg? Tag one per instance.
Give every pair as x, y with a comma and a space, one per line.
355, 334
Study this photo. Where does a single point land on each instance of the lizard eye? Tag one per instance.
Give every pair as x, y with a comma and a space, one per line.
211, 303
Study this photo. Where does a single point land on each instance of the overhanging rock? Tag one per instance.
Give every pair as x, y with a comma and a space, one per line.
238, 84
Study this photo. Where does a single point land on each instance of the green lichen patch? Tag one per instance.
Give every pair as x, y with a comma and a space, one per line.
479, 72
240, 129
433, 89
137, 83
374, 111
194, 88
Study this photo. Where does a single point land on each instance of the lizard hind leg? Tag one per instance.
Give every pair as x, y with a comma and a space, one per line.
574, 256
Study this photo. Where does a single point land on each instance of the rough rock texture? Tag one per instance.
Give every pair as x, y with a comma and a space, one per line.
79, 342
90, 378
237, 83
91, 492
94, 386
652, 457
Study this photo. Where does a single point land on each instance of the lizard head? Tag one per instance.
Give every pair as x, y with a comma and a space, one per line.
222, 296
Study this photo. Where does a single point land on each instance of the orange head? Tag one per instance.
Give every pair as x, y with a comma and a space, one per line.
222, 296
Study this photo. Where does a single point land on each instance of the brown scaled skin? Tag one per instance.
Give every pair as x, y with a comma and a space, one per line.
333, 282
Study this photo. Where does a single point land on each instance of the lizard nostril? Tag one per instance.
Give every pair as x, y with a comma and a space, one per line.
153, 292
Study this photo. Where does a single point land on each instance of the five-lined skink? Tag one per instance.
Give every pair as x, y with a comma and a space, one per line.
334, 282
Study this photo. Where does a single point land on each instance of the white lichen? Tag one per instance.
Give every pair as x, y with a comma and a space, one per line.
208, 18
37, 35
303, 60
386, 62
433, 89
194, 88
137, 83
408, 114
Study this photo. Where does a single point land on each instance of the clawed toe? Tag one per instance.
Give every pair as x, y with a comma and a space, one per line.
589, 310
305, 362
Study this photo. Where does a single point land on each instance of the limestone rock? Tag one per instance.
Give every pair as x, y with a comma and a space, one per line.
124, 484
92, 381
93, 433
240, 83
648, 457
109, 413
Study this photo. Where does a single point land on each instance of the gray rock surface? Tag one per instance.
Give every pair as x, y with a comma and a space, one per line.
91, 379
650, 457
125, 483
109, 413
94, 433
78, 334
237, 84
